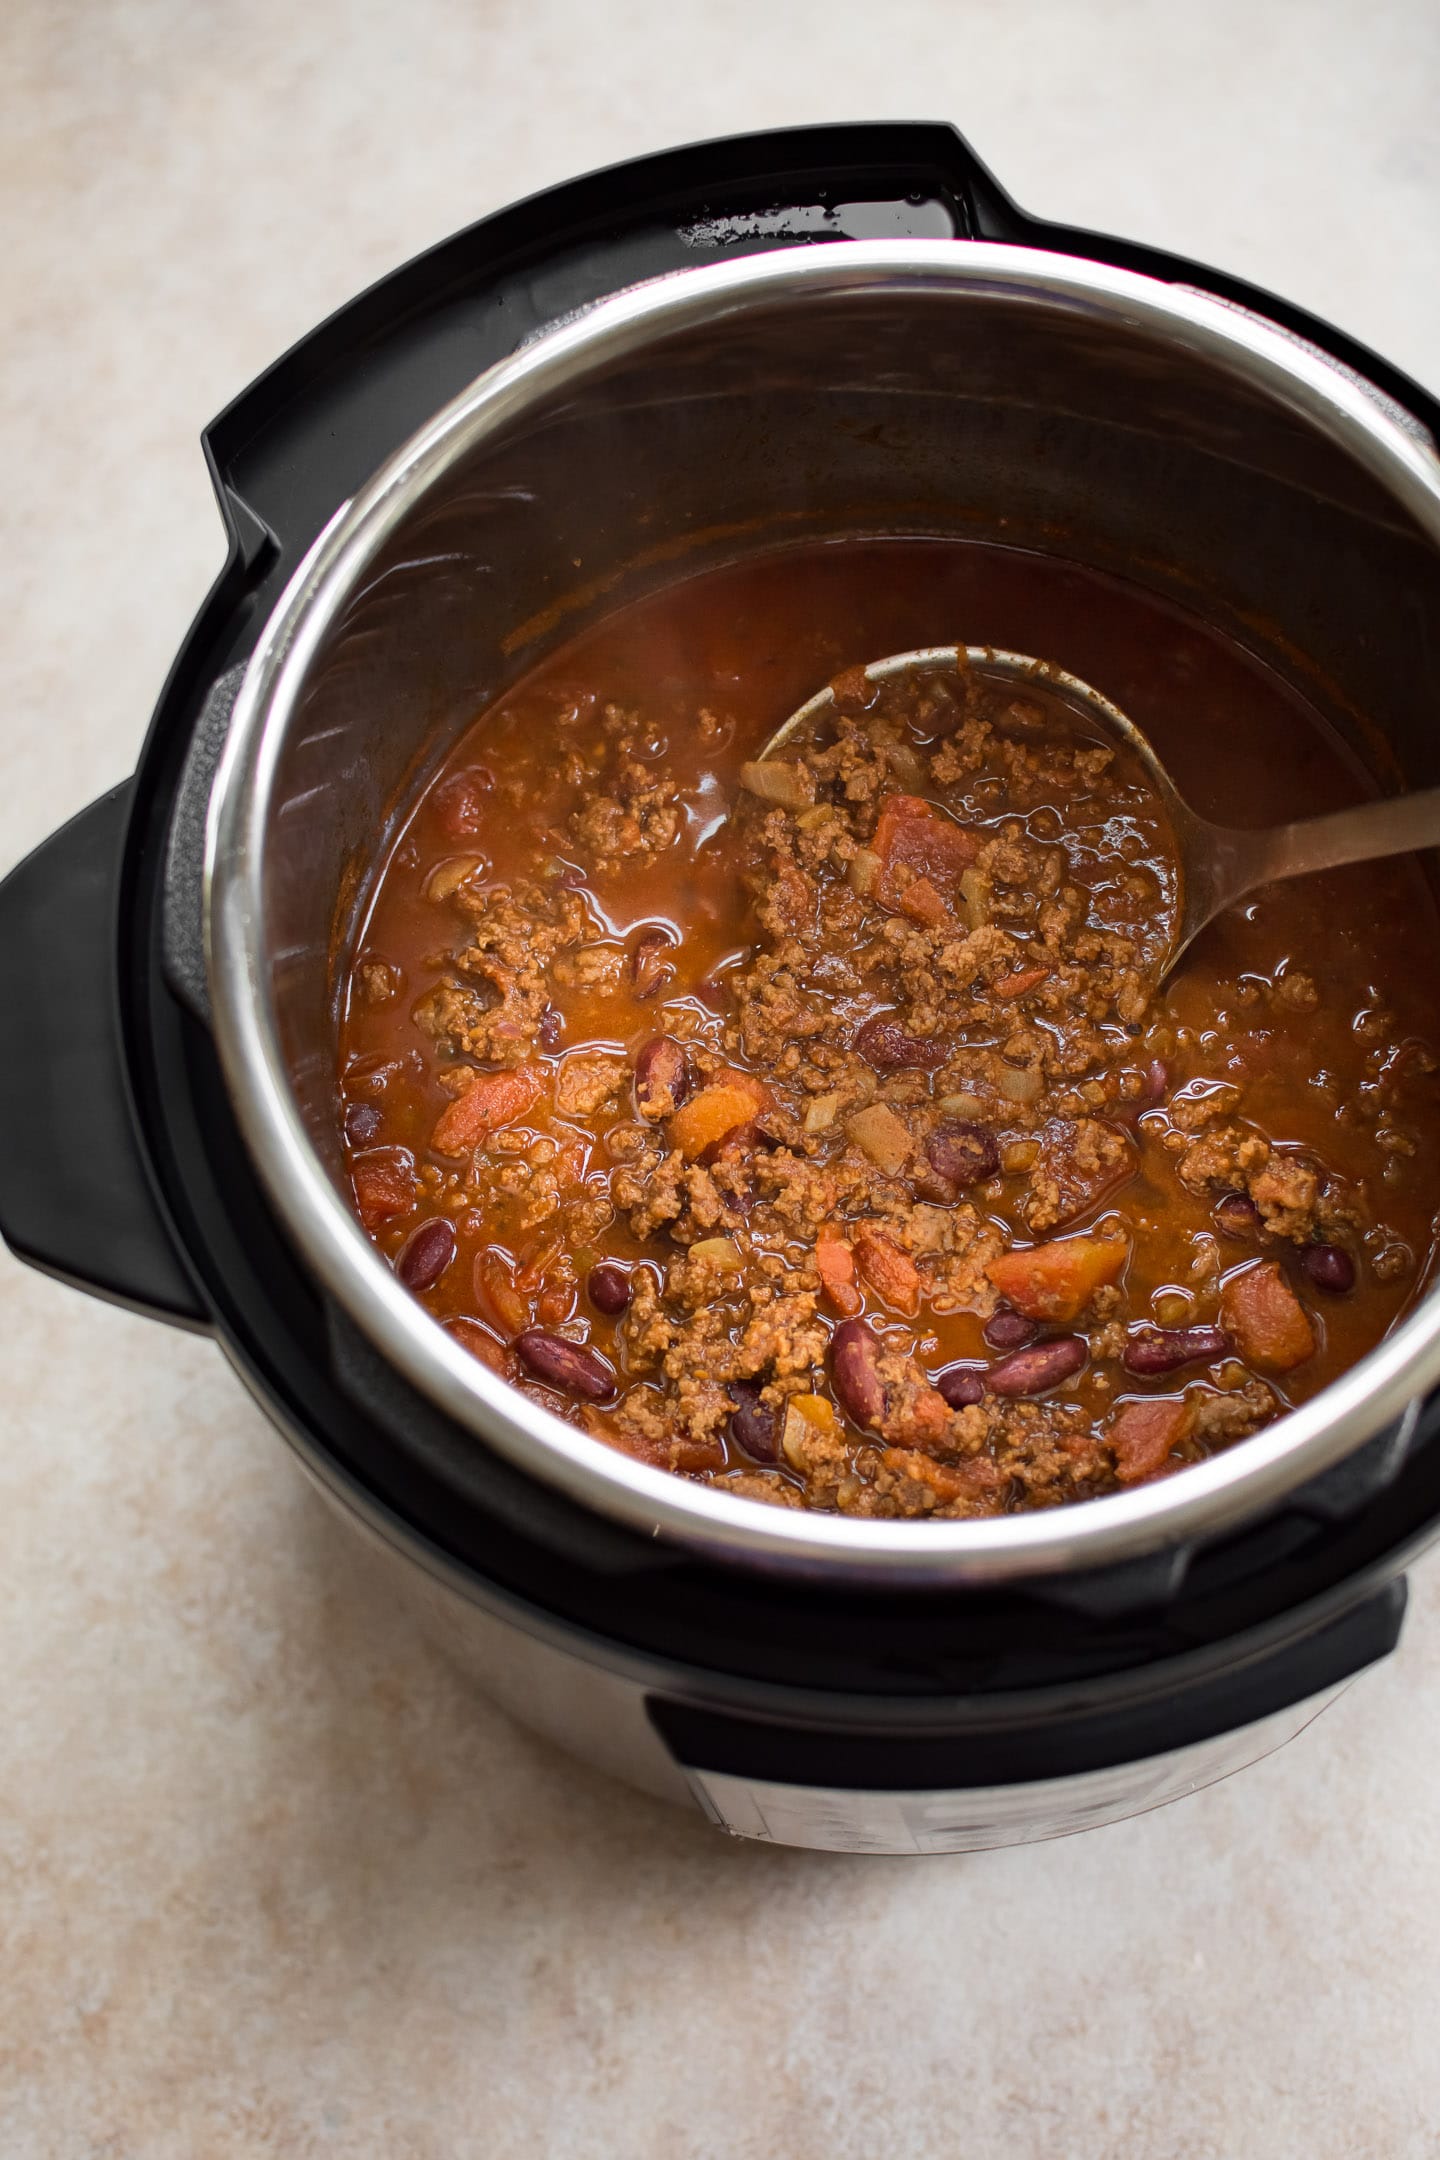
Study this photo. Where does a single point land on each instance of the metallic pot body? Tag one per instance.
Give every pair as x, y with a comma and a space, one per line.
982, 391
607, 1706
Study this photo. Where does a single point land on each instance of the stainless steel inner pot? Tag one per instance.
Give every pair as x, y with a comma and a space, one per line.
946, 387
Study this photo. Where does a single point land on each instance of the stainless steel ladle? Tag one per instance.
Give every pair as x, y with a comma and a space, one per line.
1218, 864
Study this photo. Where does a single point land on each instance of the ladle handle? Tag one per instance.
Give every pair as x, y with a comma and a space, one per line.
1223, 863
1393, 827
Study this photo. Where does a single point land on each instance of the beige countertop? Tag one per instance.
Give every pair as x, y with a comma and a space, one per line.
271, 1879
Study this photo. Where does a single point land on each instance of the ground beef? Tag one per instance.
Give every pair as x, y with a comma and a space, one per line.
1080, 1160
490, 1009
639, 817
1285, 1191
584, 1084
709, 1058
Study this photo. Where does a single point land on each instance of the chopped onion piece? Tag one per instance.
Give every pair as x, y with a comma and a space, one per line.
820, 1112
449, 875
963, 1105
774, 781
863, 872
883, 1136
806, 1416
906, 765
1021, 1084
975, 892
720, 1252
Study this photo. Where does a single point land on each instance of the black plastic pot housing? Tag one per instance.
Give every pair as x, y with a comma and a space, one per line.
810, 1686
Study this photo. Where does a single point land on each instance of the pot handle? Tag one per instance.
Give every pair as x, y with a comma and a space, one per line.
989, 1778
75, 1196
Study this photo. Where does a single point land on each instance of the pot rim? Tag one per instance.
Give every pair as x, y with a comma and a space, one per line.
1199, 1501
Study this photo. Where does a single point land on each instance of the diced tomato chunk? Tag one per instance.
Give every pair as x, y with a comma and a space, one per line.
919, 1417
652, 1448
1058, 1280
980, 1482
1271, 1327
891, 1273
1016, 985
922, 903
490, 1101
922, 855
481, 1344
835, 1264
461, 803
384, 1182
709, 1118
1145, 1434
663, 1451
500, 1298
534, 1265
692, 1454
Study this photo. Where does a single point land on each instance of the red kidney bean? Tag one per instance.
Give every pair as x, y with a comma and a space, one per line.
573, 1366
362, 1123
662, 1067
754, 1425
426, 1253
853, 1373
1236, 1216
650, 966
883, 1043
962, 1385
1044, 1365
966, 1154
550, 1028
1162, 1350
608, 1287
1329, 1267
1008, 1330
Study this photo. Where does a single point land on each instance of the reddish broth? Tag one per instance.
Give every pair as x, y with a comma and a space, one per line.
1261, 1137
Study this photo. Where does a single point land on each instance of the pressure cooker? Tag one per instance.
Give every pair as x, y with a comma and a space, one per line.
809, 333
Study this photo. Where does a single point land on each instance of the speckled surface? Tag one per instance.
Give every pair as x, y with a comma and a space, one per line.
271, 1881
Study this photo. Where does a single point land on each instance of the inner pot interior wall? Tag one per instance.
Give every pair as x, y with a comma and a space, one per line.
970, 413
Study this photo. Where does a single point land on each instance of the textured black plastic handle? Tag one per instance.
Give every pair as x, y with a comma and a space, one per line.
315, 425
1017, 1739
75, 1200
313, 428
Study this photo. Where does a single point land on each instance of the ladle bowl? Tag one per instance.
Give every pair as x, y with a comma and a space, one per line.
1217, 864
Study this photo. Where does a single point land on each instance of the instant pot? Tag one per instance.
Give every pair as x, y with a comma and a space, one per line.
779, 337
